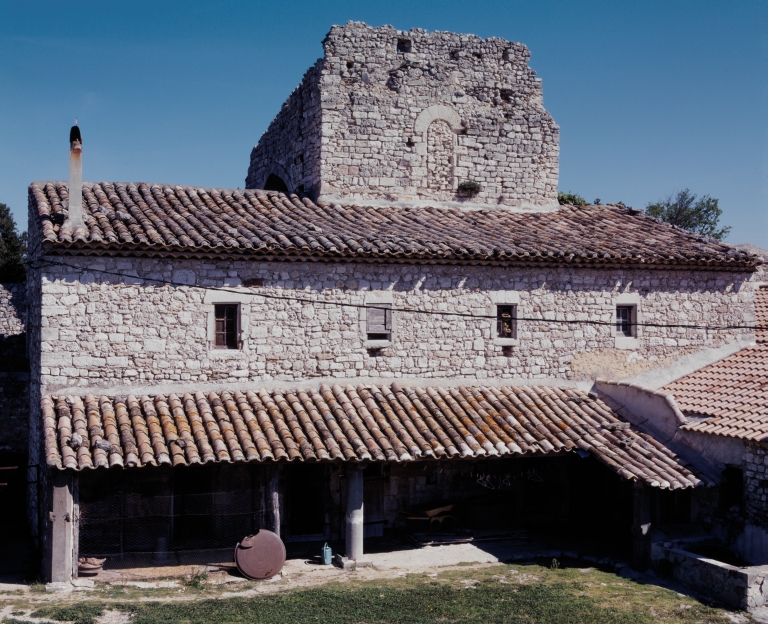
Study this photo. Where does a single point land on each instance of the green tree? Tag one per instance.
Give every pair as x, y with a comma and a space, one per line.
13, 249
682, 210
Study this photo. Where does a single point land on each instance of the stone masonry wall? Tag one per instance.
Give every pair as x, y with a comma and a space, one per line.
13, 311
290, 148
756, 484
387, 98
101, 330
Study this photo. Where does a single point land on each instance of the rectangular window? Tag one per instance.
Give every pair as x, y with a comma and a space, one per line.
378, 321
226, 326
506, 321
624, 321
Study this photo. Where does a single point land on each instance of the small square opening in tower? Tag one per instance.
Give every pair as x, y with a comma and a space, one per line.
403, 45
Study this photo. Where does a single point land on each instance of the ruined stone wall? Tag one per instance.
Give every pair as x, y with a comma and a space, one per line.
102, 330
13, 310
14, 368
290, 148
409, 115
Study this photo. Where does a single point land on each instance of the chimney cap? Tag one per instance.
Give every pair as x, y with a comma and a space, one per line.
74, 134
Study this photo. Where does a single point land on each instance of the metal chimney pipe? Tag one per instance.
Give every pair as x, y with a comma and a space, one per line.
75, 218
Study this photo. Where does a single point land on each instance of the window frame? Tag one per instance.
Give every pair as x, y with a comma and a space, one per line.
499, 299
381, 298
620, 340
237, 343
386, 334
625, 321
210, 301
499, 320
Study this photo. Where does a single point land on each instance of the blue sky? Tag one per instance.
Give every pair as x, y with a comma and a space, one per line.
650, 96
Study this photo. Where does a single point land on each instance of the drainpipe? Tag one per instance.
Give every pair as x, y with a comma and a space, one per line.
75, 218
354, 518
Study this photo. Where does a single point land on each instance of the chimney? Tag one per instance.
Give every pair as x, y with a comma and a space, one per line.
75, 218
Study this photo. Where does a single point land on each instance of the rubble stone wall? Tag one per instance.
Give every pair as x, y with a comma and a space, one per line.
103, 330
14, 368
409, 115
13, 312
756, 484
290, 148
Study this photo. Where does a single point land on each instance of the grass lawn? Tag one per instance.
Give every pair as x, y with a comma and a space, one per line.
528, 594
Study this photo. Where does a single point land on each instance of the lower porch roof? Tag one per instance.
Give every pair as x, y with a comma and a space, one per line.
352, 423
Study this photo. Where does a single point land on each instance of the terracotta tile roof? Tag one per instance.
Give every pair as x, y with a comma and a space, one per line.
388, 423
177, 221
733, 393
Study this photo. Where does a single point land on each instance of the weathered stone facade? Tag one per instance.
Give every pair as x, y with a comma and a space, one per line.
756, 484
102, 330
395, 115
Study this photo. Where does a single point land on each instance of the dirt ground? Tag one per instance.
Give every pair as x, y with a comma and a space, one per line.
178, 584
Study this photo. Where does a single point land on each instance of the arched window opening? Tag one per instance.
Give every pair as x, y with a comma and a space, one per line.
440, 157
275, 183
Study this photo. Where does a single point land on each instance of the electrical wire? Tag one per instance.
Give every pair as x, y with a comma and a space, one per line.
341, 304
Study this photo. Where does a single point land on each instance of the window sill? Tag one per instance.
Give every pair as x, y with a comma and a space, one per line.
225, 354
377, 344
626, 342
506, 342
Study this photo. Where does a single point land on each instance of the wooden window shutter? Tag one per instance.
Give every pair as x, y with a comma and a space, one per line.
379, 319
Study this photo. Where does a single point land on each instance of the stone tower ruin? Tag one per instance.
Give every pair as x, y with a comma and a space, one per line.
414, 117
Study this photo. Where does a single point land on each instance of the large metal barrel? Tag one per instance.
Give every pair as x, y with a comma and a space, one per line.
260, 556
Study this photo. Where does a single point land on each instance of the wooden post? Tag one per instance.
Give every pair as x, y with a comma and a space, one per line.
641, 526
61, 526
272, 482
354, 516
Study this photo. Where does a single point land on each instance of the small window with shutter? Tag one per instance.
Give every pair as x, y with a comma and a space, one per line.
378, 321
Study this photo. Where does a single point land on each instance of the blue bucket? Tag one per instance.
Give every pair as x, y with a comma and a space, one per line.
327, 554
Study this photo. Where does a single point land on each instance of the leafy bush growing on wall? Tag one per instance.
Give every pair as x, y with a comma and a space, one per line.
571, 198
470, 187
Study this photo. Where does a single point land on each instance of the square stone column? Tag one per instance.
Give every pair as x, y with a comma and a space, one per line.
354, 514
61, 528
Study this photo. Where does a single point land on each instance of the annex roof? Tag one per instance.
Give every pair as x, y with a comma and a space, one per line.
183, 221
363, 423
733, 393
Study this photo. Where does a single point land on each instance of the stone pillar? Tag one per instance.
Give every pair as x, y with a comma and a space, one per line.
354, 518
61, 527
641, 526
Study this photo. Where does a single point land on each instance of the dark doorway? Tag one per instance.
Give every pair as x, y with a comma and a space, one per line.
306, 501
275, 183
600, 504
